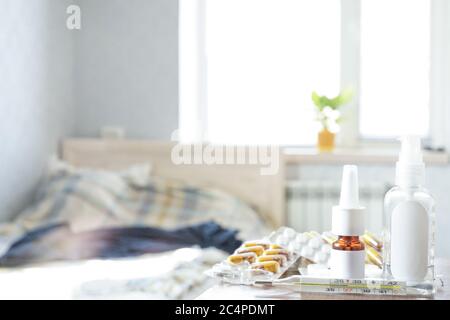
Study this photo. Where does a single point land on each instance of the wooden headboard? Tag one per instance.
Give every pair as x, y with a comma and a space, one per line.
265, 193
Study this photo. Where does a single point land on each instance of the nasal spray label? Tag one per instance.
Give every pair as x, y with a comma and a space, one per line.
347, 264
409, 241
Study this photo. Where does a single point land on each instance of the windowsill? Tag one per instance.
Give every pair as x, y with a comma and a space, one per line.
363, 155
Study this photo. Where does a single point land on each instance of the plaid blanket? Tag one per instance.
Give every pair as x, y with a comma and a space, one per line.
90, 199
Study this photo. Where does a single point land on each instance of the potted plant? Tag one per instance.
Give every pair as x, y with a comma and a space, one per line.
329, 117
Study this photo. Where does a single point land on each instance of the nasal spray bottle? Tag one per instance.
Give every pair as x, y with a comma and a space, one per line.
348, 254
409, 220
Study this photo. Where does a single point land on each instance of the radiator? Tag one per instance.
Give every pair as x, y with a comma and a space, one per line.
309, 204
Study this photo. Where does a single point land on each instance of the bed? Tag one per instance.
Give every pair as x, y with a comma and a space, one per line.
123, 184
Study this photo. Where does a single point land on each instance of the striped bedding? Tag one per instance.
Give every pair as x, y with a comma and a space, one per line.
89, 199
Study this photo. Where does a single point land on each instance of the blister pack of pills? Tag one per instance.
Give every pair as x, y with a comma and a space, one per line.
310, 245
268, 258
316, 247
259, 260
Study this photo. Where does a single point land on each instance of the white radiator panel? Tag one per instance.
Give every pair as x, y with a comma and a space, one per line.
309, 204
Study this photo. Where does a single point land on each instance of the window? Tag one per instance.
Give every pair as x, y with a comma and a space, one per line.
395, 67
259, 60
265, 57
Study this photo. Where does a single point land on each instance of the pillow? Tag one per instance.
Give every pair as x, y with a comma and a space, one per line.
137, 174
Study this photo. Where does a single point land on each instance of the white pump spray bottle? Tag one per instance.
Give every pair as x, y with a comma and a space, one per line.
409, 219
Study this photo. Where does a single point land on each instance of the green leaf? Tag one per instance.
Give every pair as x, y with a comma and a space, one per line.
343, 98
316, 99
321, 102
325, 101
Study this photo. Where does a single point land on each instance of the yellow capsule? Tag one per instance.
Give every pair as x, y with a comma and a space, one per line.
258, 250
271, 266
329, 238
240, 258
372, 241
275, 246
272, 252
278, 258
265, 245
374, 257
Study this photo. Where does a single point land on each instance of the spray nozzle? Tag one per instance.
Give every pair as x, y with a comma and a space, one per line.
348, 217
410, 169
411, 151
349, 188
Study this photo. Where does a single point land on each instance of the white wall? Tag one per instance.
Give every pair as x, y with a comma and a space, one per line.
55, 81
35, 94
126, 67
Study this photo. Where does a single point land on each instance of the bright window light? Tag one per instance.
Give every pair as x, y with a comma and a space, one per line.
395, 67
265, 57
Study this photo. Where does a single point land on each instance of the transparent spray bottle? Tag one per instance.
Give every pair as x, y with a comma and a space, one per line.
409, 221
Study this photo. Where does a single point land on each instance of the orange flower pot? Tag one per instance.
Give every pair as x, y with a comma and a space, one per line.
325, 140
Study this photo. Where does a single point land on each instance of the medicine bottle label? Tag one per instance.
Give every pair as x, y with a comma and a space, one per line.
409, 241
347, 264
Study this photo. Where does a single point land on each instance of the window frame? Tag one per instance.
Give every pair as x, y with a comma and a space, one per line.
193, 98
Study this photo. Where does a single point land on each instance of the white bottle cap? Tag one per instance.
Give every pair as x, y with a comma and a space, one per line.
410, 168
349, 187
348, 216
